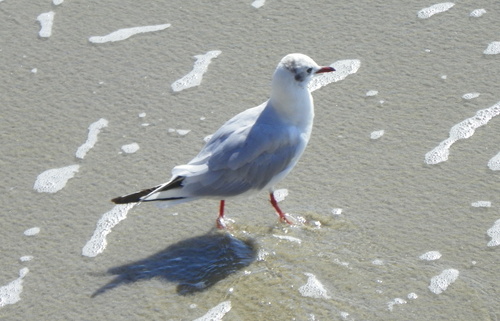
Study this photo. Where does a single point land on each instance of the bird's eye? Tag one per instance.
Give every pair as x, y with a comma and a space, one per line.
309, 70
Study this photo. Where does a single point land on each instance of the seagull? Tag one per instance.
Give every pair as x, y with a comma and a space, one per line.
252, 151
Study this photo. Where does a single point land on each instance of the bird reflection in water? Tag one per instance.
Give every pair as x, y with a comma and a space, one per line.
194, 264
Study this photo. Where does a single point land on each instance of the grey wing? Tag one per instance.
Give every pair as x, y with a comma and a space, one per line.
248, 159
230, 135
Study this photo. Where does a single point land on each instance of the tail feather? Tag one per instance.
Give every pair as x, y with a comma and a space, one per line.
134, 197
142, 196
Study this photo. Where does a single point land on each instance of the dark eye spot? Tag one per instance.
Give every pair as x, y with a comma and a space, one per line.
309, 70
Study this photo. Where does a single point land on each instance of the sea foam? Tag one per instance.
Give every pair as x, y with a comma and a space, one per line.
94, 130
494, 233
481, 204
216, 313
195, 76
343, 68
46, 20
288, 238
97, 242
377, 134
462, 130
130, 148
313, 288
494, 163
32, 231
125, 33
477, 13
493, 48
428, 12
53, 180
440, 283
258, 3
469, 96
430, 256
11, 293
280, 194
391, 304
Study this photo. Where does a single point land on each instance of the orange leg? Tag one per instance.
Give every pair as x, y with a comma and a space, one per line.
278, 209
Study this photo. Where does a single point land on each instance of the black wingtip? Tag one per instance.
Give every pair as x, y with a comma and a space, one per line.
134, 197
125, 200
137, 196
119, 200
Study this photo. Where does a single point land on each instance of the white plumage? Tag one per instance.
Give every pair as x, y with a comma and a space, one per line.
252, 151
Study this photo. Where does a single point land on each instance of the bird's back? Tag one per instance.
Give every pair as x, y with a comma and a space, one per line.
243, 156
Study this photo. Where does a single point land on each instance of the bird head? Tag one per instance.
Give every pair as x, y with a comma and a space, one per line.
298, 69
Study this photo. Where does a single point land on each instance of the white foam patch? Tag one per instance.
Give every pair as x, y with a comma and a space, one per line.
262, 254
377, 134
313, 288
26, 258
336, 211
258, 3
207, 138
343, 68
180, 132
288, 238
97, 242
493, 48
53, 180
183, 132
130, 148
481, 204
494, 163
315, 224
428, 12
341, 263
46, 20
396, 301
462, 130
195, 76
477, 13
34, 70
125, 33
57, 2
430, 256
142, 115
280, 194
494, 233
469, 96
440, 283
11, 293
371, 93
216, 313
94, 130
412, 296
32, 231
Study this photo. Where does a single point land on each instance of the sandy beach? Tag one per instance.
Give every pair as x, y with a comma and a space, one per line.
396, 196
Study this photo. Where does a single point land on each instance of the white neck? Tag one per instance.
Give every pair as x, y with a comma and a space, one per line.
293, 102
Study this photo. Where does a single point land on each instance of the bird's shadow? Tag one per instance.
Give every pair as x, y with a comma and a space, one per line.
194, 264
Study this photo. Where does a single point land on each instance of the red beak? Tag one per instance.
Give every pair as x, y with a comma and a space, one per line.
325, 69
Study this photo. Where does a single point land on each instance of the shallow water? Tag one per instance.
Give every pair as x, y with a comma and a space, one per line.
371, 209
